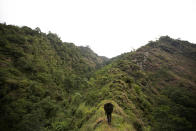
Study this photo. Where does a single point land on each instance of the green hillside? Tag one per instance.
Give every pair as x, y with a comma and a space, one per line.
155, 85
47, 84
38, 77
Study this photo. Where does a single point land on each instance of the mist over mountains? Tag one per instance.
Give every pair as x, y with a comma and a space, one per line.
50, 85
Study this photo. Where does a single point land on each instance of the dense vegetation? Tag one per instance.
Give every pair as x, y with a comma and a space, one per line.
47, 84
38, 77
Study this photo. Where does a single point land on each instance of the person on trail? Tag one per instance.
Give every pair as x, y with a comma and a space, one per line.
108, 107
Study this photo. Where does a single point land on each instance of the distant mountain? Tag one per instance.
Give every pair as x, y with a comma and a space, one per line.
47, 84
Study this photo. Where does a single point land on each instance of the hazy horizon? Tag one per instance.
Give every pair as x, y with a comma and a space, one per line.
110, 27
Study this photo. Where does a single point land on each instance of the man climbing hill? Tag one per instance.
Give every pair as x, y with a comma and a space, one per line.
108, 107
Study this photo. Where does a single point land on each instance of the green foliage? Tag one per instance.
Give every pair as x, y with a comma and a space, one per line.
50, 85
38, 76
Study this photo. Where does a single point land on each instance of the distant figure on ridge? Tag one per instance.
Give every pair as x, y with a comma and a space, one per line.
108, 107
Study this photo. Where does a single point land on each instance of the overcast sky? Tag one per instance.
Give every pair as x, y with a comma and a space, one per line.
109, 27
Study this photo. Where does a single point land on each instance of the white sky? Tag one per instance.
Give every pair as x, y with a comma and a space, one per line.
109, 27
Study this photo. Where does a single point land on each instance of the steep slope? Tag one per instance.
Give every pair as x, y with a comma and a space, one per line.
47, 84
38, 77
155, 86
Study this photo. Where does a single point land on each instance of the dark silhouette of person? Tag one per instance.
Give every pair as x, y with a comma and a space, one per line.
108, 107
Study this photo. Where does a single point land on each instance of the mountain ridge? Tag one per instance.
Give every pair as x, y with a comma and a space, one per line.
47, 84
